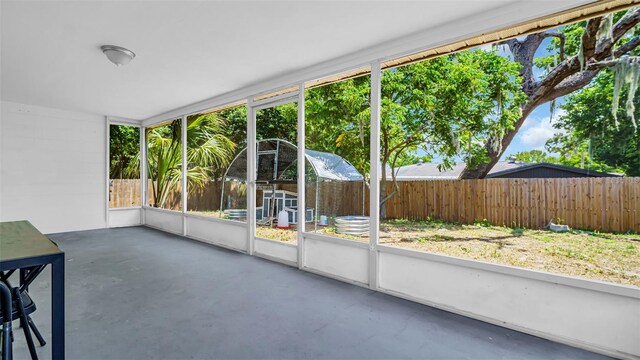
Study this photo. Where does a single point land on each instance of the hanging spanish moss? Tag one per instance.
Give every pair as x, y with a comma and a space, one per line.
500, 47
455, 139
627, 71
633, 86
605, 31
499, 103
496, 140
581, 55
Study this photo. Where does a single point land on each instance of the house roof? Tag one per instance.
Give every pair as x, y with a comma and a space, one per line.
425, 171
570, 169
431, 171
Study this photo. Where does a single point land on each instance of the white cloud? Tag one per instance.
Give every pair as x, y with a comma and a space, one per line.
536, 131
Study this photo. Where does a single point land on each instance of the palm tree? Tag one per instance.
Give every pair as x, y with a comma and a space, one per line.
209, 152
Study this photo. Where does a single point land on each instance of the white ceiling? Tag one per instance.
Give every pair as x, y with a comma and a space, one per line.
190, 51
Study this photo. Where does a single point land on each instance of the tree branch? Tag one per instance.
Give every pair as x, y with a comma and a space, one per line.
562, 79
626, 23
571, 65
560, 37
523, 53
571, 84
590, 38
582, 79
610, 63
628, 47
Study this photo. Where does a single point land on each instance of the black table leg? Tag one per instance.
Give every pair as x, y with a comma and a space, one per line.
57, 307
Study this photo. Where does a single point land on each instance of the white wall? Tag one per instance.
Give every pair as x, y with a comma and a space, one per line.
343, 260
162, 219
125, 217
593, 315
52, 168
277, 251
230, 234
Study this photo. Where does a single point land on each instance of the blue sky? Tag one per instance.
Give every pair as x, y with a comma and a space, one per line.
535, 131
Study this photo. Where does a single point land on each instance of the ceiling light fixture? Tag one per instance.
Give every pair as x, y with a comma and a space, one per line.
117, 55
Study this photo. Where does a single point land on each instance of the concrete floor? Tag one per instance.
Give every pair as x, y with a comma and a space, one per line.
138, 293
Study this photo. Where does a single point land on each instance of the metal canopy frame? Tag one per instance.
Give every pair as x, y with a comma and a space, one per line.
313, 158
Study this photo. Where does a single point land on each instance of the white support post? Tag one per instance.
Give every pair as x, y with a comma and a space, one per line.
143, 174
107, 170
251, 175
374, 182
302, 204
183, 124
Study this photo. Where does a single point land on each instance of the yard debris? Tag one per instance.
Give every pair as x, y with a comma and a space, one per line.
557, 228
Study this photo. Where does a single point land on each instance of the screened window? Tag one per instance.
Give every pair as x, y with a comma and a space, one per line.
124, 166
216, 159
164, 165
337, 118
277, 212
480, 160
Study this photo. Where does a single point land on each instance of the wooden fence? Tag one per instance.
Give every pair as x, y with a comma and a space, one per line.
124, 193
605, 204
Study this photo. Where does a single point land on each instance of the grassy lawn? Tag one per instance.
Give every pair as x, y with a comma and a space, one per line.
600, 256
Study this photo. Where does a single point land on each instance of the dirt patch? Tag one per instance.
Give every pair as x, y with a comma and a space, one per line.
283, 235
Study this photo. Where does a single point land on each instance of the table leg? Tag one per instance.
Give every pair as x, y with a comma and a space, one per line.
57, 308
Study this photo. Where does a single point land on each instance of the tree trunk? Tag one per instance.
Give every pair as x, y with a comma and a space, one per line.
383, 191
494, 154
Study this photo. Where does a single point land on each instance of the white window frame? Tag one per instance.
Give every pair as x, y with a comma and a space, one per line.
119, 122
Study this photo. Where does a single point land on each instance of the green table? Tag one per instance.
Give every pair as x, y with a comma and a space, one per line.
23, 246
